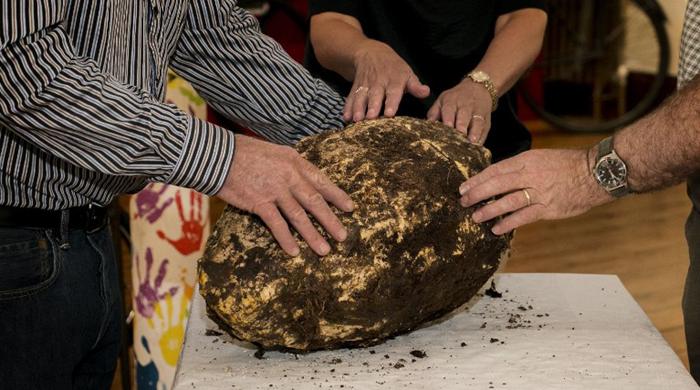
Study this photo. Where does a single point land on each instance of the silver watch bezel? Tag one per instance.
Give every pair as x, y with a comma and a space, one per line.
621, 182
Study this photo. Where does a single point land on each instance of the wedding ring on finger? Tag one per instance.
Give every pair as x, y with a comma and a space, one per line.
479, 117
360, 89
527, 196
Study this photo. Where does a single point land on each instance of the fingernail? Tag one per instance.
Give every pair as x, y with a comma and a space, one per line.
295, 252
477, 216
325, 248
463, 189
350, 206
389, 112
496, 230
473, 139
342, 235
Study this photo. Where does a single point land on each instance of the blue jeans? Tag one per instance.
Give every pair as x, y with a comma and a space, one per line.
60, 310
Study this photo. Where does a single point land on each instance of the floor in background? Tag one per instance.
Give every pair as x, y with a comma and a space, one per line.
639, 238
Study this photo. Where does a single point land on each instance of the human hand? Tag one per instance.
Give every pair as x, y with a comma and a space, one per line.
381, 77
467, 108
270, 180
538, 184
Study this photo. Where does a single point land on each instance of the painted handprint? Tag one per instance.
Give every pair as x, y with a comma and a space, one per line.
192, 228
146, 375
148, 296
173, 326
147, 203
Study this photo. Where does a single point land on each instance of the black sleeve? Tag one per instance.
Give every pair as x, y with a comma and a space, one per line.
345, 7
507, 6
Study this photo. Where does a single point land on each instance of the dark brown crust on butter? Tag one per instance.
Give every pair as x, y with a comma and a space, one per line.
412, 255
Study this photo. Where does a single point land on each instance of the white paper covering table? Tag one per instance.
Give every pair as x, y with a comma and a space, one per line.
548, 331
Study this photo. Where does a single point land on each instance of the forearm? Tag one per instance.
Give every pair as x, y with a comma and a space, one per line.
248, 77
516, 44
69, 109
337, 42
663, 148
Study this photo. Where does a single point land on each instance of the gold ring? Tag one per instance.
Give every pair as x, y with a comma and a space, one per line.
527, 196
478, 117
360, 89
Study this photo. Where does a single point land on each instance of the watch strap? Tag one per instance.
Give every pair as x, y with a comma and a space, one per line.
488, 85
620, 191
605, 147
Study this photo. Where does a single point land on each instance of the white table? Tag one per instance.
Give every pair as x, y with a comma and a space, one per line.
581, 332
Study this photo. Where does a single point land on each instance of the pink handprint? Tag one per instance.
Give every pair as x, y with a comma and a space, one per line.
147, 295
192, 228
147, 203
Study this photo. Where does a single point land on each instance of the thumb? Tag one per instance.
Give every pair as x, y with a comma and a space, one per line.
416, 88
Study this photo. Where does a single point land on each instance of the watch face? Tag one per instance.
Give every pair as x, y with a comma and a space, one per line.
480, 76
611, 172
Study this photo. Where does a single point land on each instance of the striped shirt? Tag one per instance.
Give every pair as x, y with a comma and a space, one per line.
82, 84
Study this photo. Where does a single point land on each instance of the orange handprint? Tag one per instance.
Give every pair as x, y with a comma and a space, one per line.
192, 228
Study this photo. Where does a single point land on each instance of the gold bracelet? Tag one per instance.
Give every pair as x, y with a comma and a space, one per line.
482, 78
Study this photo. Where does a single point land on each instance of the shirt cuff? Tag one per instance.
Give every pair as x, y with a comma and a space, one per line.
207, 153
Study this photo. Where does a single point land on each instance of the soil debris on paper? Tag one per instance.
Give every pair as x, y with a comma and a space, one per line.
492, 292
419, 354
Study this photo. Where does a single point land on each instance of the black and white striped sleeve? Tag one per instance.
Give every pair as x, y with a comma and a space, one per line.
67, 107
249, 77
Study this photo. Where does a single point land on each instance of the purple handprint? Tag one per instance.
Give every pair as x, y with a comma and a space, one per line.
147, 295
147, 203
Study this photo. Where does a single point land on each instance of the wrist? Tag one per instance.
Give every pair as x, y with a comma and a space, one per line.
365, 49
597, 193
484, 81
477, 89
209, 146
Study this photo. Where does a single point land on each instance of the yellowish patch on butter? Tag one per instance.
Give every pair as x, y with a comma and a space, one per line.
434, 147
203, 278
428, 255
356, 283
368, 232
269, 292
333, 331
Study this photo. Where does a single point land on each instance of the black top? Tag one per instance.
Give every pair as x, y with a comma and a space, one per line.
442, 40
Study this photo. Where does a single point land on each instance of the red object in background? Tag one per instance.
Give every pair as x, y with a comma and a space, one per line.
533, 83
286, 30
286, 23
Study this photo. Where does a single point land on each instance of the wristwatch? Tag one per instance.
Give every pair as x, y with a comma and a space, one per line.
481, 77
610, 171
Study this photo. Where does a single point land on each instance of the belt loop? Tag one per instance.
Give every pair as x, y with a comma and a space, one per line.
64, 234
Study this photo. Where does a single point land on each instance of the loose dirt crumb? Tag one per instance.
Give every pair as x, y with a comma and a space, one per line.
492, 292
418, 354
